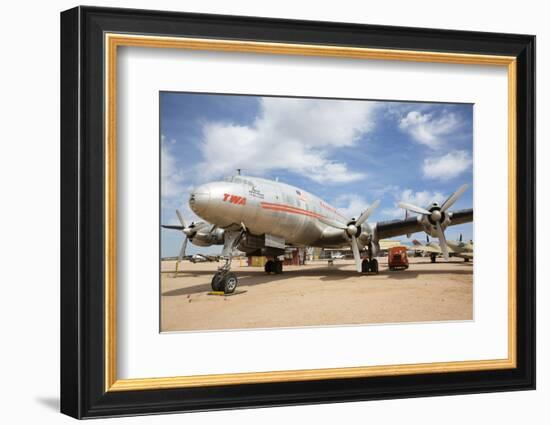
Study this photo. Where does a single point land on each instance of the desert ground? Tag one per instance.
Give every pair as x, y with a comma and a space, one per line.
315, 295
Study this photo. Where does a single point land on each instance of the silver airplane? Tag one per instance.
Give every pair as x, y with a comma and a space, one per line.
263, 217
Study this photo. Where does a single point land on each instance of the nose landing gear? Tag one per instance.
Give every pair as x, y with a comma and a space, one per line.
224, 279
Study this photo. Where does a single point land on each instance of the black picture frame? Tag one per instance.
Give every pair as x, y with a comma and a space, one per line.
83, 392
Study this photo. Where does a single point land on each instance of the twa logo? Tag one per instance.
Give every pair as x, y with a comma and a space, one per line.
234, 199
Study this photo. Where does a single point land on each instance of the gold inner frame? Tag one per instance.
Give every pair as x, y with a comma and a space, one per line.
113, 41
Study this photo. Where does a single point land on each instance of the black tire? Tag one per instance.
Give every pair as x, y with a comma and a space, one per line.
269, 266
217, 282
466, 260
432, 258
365, 266
229, 283
278, 267
374, 265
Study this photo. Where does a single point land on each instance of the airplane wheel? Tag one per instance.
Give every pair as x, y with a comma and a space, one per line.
365, 266
374, 265
466, 260
269, 266
229, 283
278, 267
432, 258
217, 282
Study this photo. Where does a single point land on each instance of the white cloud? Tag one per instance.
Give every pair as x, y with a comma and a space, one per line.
447, 166
351, 206
171, 176
428, 129
422, 198
289, 134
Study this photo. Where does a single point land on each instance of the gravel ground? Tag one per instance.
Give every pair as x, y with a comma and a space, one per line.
316, 295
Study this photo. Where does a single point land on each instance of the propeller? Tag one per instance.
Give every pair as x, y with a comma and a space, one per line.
188, 231
436, 215
353, 229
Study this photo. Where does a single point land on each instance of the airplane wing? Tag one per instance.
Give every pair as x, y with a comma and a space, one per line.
392, 228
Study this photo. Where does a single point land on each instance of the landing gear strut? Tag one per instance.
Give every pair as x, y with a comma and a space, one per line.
224, 279
273, 266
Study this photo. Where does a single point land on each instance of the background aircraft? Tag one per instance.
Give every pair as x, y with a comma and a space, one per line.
455, 249
262, 217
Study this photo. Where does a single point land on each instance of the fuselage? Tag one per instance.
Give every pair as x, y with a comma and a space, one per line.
269, 207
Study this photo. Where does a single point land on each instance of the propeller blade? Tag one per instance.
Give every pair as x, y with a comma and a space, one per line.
413, 208
356, 255
452, 199
172, 226
363, 217
442, 241
332, 223
180, 218
182, 250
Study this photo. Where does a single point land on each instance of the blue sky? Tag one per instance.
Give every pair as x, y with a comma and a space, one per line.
348, 152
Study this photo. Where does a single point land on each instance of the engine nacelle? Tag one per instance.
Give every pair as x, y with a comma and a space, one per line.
368, 238
430, 225
206, 235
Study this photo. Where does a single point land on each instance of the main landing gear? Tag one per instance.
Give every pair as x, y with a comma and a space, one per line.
369, 265
274, 266
224, 279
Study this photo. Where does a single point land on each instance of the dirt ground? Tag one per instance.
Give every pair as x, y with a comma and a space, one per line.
316, 295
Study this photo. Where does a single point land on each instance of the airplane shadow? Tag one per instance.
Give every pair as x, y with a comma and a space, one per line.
328, 274
412, 274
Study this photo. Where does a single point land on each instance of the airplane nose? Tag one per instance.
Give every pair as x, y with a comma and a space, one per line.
199, 199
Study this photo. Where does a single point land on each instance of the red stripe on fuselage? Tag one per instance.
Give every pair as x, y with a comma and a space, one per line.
290, 209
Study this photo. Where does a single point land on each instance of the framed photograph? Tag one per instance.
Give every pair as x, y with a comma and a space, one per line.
261, 212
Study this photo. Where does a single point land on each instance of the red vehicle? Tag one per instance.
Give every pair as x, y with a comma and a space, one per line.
397, 258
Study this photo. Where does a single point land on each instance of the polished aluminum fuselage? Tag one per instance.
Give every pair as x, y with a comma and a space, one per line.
266, 207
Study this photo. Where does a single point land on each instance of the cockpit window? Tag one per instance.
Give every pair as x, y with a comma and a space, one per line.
239, 179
